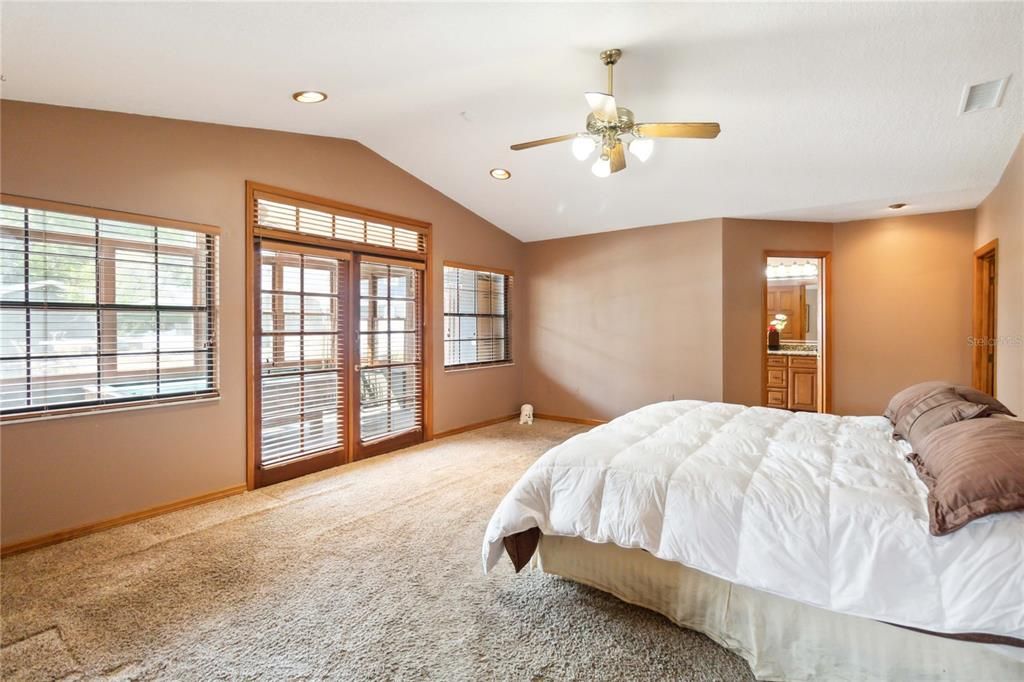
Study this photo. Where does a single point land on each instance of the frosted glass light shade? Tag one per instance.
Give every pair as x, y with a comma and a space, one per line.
583, 147
602, 168
642, 148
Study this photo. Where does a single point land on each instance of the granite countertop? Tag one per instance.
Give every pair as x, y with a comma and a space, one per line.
786, 351
804, 349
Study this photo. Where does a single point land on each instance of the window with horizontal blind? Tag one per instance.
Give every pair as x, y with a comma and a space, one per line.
292, 215
102, 309
476, 321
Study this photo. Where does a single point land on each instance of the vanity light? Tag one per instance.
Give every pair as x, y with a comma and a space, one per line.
792, 270
309, 96
500, 174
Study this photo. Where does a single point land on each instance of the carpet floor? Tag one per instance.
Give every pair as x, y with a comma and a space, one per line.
368, 571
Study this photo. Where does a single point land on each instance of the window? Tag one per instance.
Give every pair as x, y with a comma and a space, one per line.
322, 221
99, 308
476, 330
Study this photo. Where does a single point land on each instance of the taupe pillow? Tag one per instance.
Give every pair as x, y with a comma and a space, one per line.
972, 469
943, 407
900, 403
906, 399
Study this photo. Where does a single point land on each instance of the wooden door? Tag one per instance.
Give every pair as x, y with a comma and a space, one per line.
983, 339
300, 389
389, 366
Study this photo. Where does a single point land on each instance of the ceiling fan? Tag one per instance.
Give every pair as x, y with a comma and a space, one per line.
608, 124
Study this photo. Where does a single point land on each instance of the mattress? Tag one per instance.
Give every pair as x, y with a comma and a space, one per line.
819, 509
780, 639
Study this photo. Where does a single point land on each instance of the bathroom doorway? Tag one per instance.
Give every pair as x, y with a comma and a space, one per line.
796, 331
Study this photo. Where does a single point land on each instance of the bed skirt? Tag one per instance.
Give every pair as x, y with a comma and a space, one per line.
780, 639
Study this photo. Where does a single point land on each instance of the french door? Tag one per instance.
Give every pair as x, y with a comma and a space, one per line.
390, 365
330, 391
301, 387
336, 359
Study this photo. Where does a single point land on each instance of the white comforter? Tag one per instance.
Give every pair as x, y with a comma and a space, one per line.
817, 508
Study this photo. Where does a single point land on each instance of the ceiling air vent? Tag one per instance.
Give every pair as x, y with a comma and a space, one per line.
983, 96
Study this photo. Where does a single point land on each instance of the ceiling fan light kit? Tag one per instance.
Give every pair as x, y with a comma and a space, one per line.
583, 146
609, 126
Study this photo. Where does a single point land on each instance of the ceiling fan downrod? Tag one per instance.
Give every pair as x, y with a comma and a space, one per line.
609, 59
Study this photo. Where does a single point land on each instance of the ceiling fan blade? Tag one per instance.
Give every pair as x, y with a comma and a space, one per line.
705, 130
617, 157
546, 140
603, 106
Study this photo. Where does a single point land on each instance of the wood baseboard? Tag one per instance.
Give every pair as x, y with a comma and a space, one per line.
71, 533
571, 420
477, 425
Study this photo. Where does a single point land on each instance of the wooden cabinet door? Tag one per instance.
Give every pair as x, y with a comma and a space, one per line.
776, 377
788, 300
803, 389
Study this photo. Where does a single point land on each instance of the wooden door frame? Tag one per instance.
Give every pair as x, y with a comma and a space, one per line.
252, 353
359, 448
979, 316
825, 343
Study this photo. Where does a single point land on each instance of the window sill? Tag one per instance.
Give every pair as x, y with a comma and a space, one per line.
491, 365
13, 419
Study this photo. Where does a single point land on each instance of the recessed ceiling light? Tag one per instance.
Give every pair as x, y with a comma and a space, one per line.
500, 174
309, 96
896, 207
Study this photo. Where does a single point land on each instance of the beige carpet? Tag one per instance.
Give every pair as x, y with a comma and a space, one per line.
370, 571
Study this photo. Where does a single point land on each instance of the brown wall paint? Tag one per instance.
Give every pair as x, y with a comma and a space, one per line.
743, 245
68, 472
618, 320
1001, 216
901, 299
885, 272
602, 323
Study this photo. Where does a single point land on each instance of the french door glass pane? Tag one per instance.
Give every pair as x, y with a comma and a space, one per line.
390, 350
302, 364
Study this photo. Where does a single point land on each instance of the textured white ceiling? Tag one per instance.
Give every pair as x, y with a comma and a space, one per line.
829, 111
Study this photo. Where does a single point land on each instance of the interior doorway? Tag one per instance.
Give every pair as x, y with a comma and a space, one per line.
983, 337
796, 331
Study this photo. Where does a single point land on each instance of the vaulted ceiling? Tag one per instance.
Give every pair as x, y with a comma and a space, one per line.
829, 111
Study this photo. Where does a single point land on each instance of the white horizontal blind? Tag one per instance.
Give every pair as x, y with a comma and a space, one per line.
303, 364
98, 312
476, 324
293, 216
390, 349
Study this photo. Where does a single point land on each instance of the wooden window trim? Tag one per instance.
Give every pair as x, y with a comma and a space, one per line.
106, 308
105, 214
509, 275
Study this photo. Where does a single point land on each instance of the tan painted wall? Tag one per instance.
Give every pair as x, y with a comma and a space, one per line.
744, 243
63, 473
901, 298
1001, 216
618, 320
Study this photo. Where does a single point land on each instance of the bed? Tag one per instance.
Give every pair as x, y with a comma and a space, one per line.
798, 540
